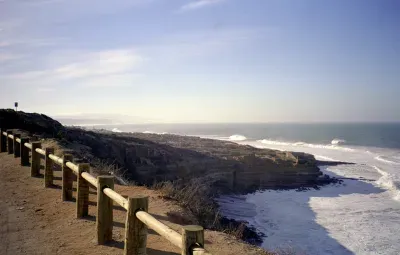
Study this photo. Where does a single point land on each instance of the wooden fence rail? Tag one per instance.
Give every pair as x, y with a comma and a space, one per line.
138, 220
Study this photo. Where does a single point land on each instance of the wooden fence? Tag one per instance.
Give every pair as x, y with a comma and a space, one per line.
138, 220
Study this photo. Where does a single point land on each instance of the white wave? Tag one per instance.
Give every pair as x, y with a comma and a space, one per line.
272, 142
380, 158
116, 130
320, 157
338, 141
380, 171
86, 125
237, 138
156, 133
389, 181
303, 144
329, 147
335, 212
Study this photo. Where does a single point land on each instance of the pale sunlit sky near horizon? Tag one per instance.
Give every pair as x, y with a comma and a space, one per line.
204, 60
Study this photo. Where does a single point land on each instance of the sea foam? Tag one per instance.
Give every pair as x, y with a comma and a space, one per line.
237, 138
380, 158
389, 181
338, 141
310, 145
156, 133
116, 130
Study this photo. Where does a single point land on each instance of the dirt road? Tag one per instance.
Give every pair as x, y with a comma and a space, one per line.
34, 220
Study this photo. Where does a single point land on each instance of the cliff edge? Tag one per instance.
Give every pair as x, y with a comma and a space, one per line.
190, 170
150, 158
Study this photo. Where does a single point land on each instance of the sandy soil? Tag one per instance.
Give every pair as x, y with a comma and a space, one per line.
34, 220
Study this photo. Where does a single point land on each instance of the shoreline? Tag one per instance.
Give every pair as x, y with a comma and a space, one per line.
213, 166
250, 233
255, 236
320, 221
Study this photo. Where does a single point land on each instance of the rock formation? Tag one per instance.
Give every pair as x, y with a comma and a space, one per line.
149, 158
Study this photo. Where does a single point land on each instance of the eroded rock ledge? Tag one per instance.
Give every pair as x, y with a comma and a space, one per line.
148, 158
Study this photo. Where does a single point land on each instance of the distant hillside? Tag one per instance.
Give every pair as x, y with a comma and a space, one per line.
99, 118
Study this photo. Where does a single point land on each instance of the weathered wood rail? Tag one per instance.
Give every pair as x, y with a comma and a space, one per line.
138, 220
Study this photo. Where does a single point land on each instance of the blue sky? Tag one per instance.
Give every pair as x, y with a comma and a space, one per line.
204, 60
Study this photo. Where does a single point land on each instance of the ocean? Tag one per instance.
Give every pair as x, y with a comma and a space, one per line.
359, 216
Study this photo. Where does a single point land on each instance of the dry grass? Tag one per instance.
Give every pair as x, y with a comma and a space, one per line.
180, 218
58, 149
194, 194
99, 167
197, 196
236, 231
102, 167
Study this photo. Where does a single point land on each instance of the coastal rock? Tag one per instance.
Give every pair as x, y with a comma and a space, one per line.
149, 158
33, 122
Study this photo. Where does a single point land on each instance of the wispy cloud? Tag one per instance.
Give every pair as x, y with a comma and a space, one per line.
113, 80
37, 2
5, 43
5, 56
192, 46
100, 64
9, 24
109, 68
45, 89
199, 4
71, 9
32, 42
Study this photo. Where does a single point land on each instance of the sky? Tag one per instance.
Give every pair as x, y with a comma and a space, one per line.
203, 60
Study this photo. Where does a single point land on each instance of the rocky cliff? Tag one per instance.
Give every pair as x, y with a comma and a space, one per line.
38, 124
149, 158
234, 168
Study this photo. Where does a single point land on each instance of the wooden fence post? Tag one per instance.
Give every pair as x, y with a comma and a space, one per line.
104, 220
48, 168
192, 236
82, 196
3, 141
24, 152
136, 230
10, 143
17, 148
66, 179
35, 165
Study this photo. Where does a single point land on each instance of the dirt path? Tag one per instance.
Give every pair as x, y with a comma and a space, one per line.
34, 220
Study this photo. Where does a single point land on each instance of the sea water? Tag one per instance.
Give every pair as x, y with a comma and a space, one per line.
359, 216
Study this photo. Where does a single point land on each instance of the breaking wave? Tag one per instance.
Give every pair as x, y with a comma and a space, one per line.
303, 144
380, 158
116, 130
237, 138
389, 181
156, 133
329, 147
338, 141
272, 142
324, 158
